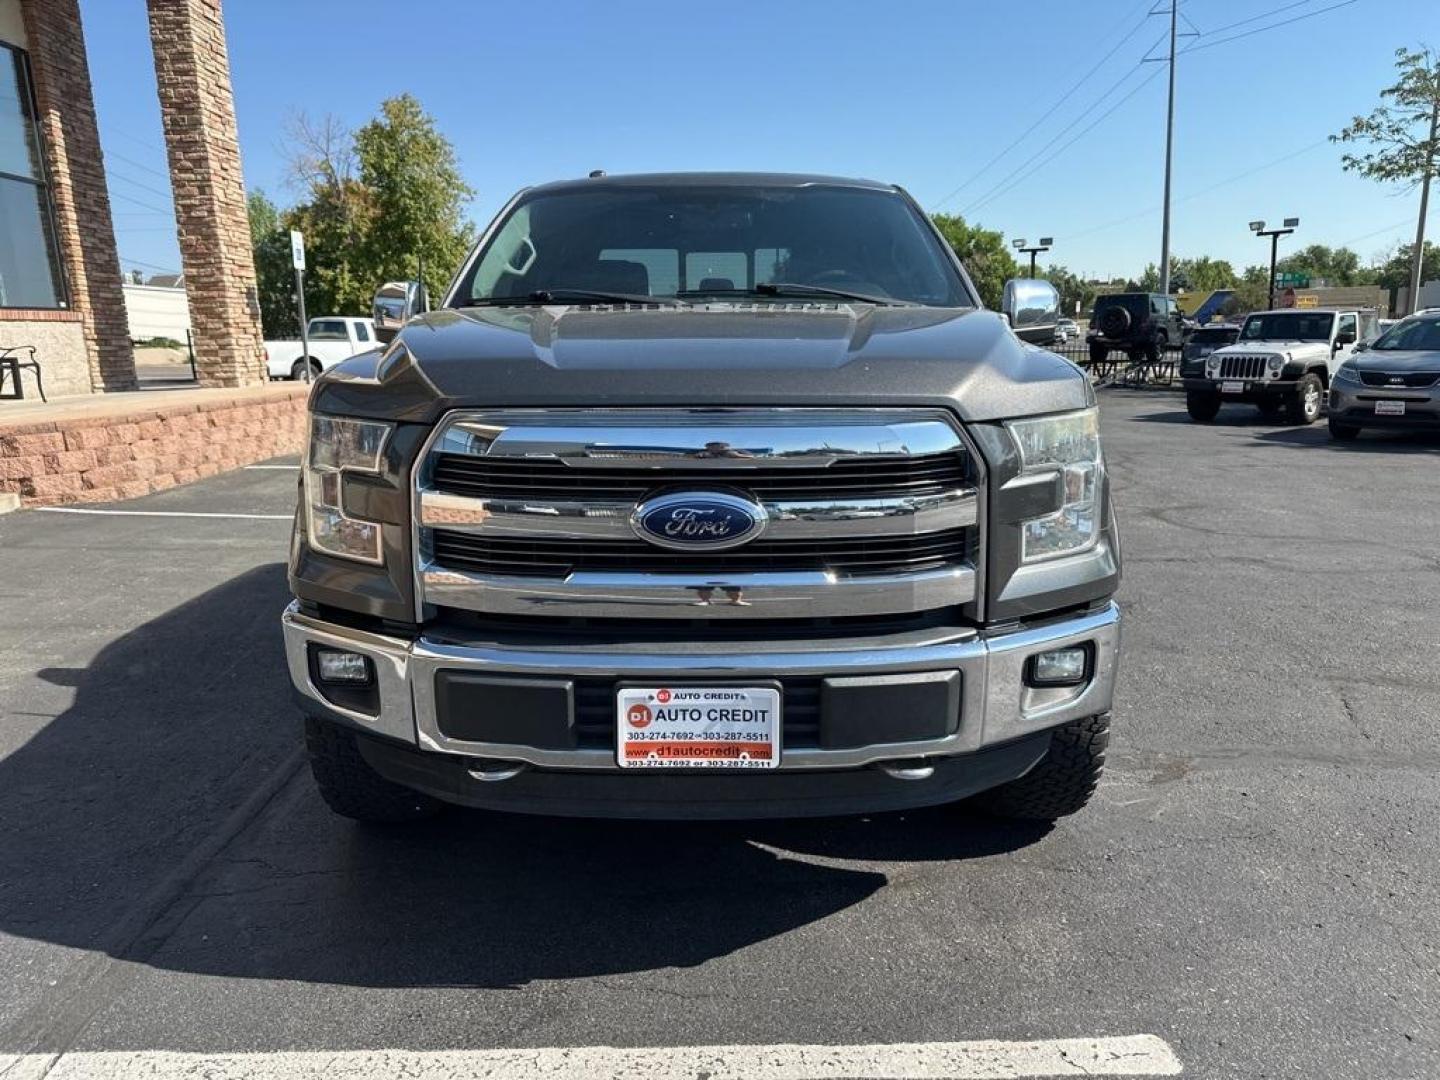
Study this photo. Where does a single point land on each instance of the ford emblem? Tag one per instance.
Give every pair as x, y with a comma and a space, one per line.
698, 521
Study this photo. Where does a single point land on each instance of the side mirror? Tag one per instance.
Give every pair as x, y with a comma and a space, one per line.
395, 304
1345, 337
1362, 346
1032, 307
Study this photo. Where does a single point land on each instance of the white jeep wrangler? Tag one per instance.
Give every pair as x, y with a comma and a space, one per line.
1281, 363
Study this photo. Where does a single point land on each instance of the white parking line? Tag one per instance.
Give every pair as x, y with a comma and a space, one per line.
159, 513
1127, 1055
287, 468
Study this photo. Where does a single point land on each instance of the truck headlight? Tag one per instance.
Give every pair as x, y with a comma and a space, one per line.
1275, 364
1212, 366
1348, 372
335, 447
1067, 446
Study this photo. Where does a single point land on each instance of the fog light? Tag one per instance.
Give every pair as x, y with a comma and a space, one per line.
342, 667
1060, 667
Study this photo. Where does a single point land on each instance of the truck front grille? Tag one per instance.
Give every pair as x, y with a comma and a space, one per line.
462, 474
528, 514
559, 558
1242, 367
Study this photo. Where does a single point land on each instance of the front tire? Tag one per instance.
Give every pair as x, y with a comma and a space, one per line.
348, 784
1062, 781
1202, 408
1343, 432
1304, 406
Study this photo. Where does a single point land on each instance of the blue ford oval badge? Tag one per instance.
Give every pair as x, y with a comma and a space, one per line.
698, 521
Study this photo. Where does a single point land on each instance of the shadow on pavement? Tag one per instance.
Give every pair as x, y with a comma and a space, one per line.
173, 725
1368, 442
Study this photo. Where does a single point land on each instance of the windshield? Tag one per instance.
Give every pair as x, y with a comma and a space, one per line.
722, 241
1212, 336
1411, 334
1288, 326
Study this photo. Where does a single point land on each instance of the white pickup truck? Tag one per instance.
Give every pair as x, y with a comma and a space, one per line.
332, 338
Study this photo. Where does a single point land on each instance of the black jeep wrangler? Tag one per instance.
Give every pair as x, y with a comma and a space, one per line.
1142, 324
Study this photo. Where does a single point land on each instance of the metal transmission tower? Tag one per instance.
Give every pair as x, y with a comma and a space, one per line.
1174, 12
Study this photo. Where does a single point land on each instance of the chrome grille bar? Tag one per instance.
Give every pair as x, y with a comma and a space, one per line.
528, 512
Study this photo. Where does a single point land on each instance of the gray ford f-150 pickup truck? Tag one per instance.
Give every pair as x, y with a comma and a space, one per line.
705, 495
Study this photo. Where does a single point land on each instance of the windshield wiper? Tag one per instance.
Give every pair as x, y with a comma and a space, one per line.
560, 296
791, 288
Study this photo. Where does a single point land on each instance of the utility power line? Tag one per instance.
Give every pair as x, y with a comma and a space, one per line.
1197, 194
1046, 114
989, 198
1261, 29
149, 266
148, 206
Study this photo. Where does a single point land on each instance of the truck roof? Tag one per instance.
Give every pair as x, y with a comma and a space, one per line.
712, 179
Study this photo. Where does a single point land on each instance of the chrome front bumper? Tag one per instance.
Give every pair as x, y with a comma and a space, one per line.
996, 704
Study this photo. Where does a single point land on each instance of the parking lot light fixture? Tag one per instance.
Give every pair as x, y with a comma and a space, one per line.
1032, 251
1258, 228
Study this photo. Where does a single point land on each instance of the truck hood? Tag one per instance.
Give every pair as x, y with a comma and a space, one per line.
965, 360
1274, 348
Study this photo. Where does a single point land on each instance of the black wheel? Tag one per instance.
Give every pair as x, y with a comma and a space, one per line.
350, 787
297, 370
1202, 407
1343, 432
1270, 407
1063, 780
1303, 407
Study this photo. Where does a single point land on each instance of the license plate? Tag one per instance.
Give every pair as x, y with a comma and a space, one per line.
1232, 387
1389, 408
697, 727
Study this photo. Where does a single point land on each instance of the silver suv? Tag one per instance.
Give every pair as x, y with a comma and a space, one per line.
1395, 383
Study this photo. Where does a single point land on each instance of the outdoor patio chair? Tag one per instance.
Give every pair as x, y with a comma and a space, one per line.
10, 363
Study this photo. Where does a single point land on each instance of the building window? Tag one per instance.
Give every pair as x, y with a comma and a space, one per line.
30, 274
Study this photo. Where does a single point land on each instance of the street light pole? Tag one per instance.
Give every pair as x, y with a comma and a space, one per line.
1258, 228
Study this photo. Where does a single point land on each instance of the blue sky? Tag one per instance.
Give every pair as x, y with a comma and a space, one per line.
925, 93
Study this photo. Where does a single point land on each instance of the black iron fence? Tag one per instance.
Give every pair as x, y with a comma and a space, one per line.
1119, 368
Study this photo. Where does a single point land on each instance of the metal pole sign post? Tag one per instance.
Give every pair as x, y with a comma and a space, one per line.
297, 259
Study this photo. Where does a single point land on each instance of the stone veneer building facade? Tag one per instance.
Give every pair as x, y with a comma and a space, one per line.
60, 278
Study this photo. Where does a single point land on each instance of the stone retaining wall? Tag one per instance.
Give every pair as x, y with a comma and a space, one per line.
124, 454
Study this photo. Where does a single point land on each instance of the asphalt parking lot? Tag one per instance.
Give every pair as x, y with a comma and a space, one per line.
1257, 883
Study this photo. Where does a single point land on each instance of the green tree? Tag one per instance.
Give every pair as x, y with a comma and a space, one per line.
1203, 274
984, 254
1396, 271
1334, 266
1252, 293
1404, 136
417, 196
274, 278
336, 217
1072, 287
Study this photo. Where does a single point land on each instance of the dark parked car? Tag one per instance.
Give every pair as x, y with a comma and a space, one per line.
1141, 324
1201, 343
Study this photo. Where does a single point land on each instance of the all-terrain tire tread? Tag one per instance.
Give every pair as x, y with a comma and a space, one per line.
1064, 779
348, 784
